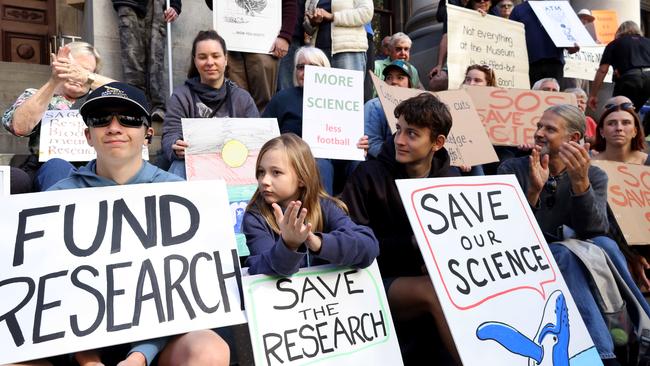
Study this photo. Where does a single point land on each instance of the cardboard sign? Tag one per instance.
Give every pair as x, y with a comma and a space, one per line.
62, 136
562, 23
5, 180
628, 196
227, 148
584, 64
510, 116
499, 287
321, 316
467, 143
88, 268
332, 112
605, 24
248, 26
486, 40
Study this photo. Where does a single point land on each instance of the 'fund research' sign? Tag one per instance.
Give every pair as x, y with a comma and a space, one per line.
87, 268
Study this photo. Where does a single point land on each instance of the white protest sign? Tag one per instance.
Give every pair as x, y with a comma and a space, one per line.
562, 23
584, 64
226, 148
321, 316
5, 181
62, 136
486, 40
87, 268
499, 287
332, 112
248, 26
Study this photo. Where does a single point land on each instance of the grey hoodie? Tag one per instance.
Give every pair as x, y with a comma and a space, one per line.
87, 177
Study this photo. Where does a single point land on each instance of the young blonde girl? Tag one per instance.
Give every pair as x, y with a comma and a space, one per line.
291, 222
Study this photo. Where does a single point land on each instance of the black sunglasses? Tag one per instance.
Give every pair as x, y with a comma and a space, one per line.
626, 106
104, 120
551, 188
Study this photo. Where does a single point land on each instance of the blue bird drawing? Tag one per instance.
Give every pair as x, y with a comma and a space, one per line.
550, 346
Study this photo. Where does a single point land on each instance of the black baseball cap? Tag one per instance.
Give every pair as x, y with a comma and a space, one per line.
116, 95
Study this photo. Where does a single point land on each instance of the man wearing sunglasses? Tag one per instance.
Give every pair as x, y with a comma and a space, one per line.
569, 199
118, 120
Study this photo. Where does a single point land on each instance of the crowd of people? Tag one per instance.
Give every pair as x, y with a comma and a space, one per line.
309, 211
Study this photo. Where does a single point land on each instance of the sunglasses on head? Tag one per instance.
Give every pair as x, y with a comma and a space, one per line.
626, 106
103, 120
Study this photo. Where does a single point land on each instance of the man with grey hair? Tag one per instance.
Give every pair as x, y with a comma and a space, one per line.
569, 199
547, 84
400, 49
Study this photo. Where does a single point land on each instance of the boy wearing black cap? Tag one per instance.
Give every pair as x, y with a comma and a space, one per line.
118, 127
118, 120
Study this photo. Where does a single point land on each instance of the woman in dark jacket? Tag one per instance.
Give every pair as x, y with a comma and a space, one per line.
206, 93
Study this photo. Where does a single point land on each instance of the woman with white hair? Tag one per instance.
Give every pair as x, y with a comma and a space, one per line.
629, 55
73, 75
286, 106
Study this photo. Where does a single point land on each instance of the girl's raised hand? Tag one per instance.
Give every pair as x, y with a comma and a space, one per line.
292, 225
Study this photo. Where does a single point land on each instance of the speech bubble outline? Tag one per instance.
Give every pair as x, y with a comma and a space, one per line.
542, 292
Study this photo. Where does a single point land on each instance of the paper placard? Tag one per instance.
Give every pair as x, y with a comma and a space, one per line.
467, 143
605, 24
321, 316
227, 148
5, 181
62, 136
562, 23
88, 268
628, 196
488, 261
486, 40
510, 116
248, 26
332, 112
584, 64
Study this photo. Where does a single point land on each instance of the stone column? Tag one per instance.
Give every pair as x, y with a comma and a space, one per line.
425, 31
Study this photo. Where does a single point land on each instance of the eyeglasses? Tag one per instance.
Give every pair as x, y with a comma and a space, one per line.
626, 106
301, 67
506, 6
551, 188
104, 120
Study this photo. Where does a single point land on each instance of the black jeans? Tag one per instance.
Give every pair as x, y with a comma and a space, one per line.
634, 84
